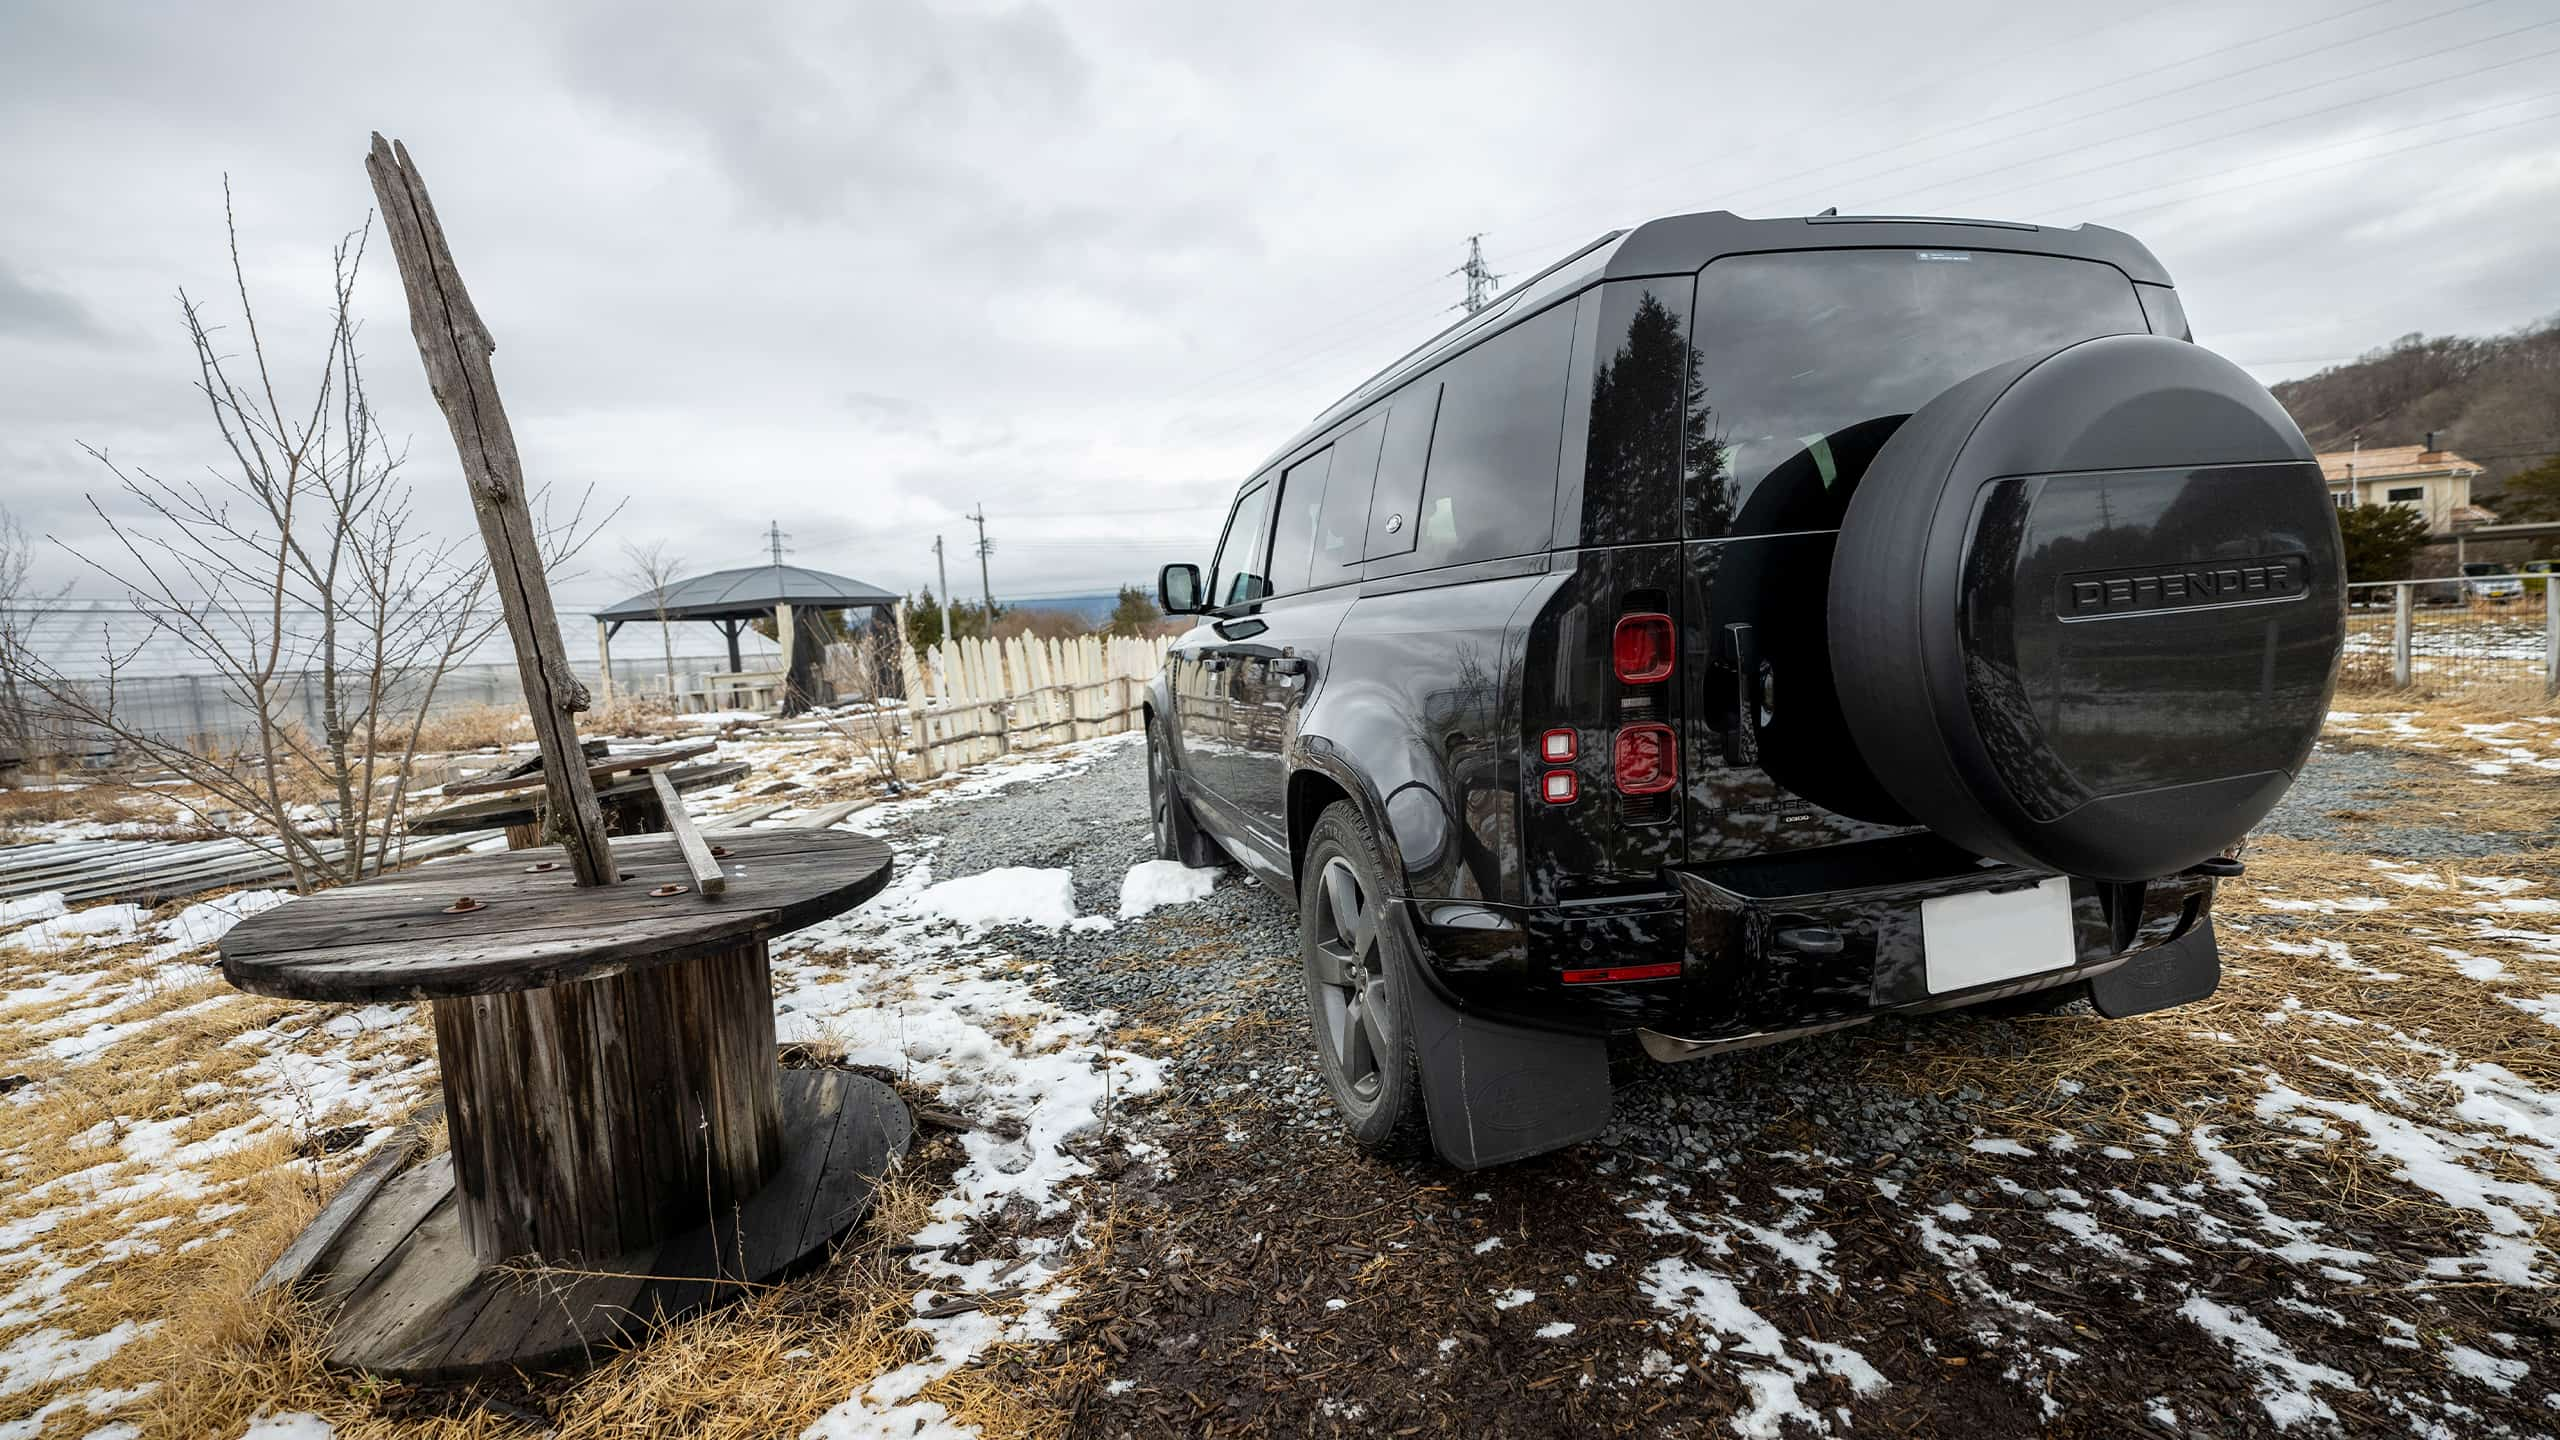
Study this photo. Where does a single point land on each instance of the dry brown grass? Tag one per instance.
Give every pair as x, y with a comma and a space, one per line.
2376, 1031
99, 802
768, 1366
474, 727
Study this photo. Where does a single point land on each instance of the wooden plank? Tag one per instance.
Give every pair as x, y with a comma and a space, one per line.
455, 347
741, 819
623, 801
295, 1265
827, 815
597, 769
398, 1208
707, 878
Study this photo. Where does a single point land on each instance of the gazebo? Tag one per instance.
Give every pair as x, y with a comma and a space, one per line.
794, 597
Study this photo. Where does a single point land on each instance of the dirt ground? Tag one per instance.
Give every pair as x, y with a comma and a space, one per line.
2326, 1201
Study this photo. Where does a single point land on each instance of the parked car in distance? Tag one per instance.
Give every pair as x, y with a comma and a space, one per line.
2490, 581
1740, 630
2536, 574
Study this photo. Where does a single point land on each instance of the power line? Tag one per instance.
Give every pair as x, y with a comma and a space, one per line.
2146, 99
2349, 104
1756, 188
2317, 149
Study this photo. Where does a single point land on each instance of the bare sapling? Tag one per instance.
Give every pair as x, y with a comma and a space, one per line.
297, 574
656, 571
21, 746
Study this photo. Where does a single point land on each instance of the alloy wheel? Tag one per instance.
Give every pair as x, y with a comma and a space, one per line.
1350, 986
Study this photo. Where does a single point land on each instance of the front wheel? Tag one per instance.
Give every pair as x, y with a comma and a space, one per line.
1355, 988
1177, 835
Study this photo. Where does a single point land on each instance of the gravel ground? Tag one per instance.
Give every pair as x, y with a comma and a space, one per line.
1825, 1237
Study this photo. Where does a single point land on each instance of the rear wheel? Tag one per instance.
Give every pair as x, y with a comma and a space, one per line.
1355, 997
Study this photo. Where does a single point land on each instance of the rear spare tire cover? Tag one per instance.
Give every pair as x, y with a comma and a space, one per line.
2085, 610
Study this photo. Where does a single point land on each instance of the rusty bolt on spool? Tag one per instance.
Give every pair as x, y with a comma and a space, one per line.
719, 852
538, 866
668, 890
464, 905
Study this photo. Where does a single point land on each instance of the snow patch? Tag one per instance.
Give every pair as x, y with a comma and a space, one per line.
1154, 884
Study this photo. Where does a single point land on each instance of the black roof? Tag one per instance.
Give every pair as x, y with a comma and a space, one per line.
1682, 244
753, 591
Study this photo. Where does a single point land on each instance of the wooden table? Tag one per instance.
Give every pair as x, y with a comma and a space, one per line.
623, 1139
630, 805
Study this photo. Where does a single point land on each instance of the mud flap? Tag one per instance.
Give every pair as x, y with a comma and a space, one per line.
2179, 973
1497, 1092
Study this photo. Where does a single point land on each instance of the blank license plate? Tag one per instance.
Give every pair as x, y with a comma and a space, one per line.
1983, 936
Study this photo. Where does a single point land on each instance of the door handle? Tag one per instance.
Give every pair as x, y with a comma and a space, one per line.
1289, 665
1214, 663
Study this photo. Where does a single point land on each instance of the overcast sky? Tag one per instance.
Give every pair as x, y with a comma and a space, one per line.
862, 267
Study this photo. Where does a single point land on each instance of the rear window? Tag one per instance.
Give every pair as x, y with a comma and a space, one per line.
1814, 358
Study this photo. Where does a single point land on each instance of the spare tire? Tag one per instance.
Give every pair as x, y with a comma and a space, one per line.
2085, 609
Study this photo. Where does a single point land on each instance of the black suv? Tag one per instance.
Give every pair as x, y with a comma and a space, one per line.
1739, 630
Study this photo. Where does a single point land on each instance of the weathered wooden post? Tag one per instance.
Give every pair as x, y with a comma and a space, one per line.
625, 1147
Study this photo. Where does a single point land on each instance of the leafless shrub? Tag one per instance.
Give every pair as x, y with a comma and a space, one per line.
296, 573
656, 570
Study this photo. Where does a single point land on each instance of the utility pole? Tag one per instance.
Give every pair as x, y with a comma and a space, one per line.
986, 547
942, 573
1481, 282
774, 536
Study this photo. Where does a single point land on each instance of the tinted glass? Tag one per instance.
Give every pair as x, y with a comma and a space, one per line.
1293, 539
2166, 312
1491, 488
1646, 409
1238, 577
1343, 523
1398, 494
1814, 358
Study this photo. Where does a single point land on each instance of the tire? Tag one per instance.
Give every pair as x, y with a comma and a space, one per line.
1355, 971
2088, 606
1177, 835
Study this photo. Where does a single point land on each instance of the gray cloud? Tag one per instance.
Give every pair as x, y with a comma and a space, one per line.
861, 268
32, 311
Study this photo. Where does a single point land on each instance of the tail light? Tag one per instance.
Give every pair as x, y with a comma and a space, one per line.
1646, 759
1641, 648
1560, 787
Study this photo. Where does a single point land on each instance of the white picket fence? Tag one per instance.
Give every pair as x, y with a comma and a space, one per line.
972, 700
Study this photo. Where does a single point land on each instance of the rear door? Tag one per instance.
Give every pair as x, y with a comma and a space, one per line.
1810, 361
1279, 653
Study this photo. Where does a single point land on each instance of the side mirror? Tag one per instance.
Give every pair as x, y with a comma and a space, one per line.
1178, 589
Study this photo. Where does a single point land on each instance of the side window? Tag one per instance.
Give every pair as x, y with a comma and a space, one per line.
1342, 525
1238, 577
1397, 497
1491, 486
1301, 502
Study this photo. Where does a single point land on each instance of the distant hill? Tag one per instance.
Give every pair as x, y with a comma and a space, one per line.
2495, 400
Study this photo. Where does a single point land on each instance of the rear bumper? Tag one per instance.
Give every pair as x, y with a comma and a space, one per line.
1773, 947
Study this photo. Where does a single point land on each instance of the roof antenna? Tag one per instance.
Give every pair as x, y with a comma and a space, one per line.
1834, 210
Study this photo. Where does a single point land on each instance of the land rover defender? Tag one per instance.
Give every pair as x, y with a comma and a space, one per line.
1739, 630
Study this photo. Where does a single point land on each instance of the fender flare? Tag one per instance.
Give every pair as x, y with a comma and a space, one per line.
1321, 755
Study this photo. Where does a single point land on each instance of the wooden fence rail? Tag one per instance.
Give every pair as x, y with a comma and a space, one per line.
972, 700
